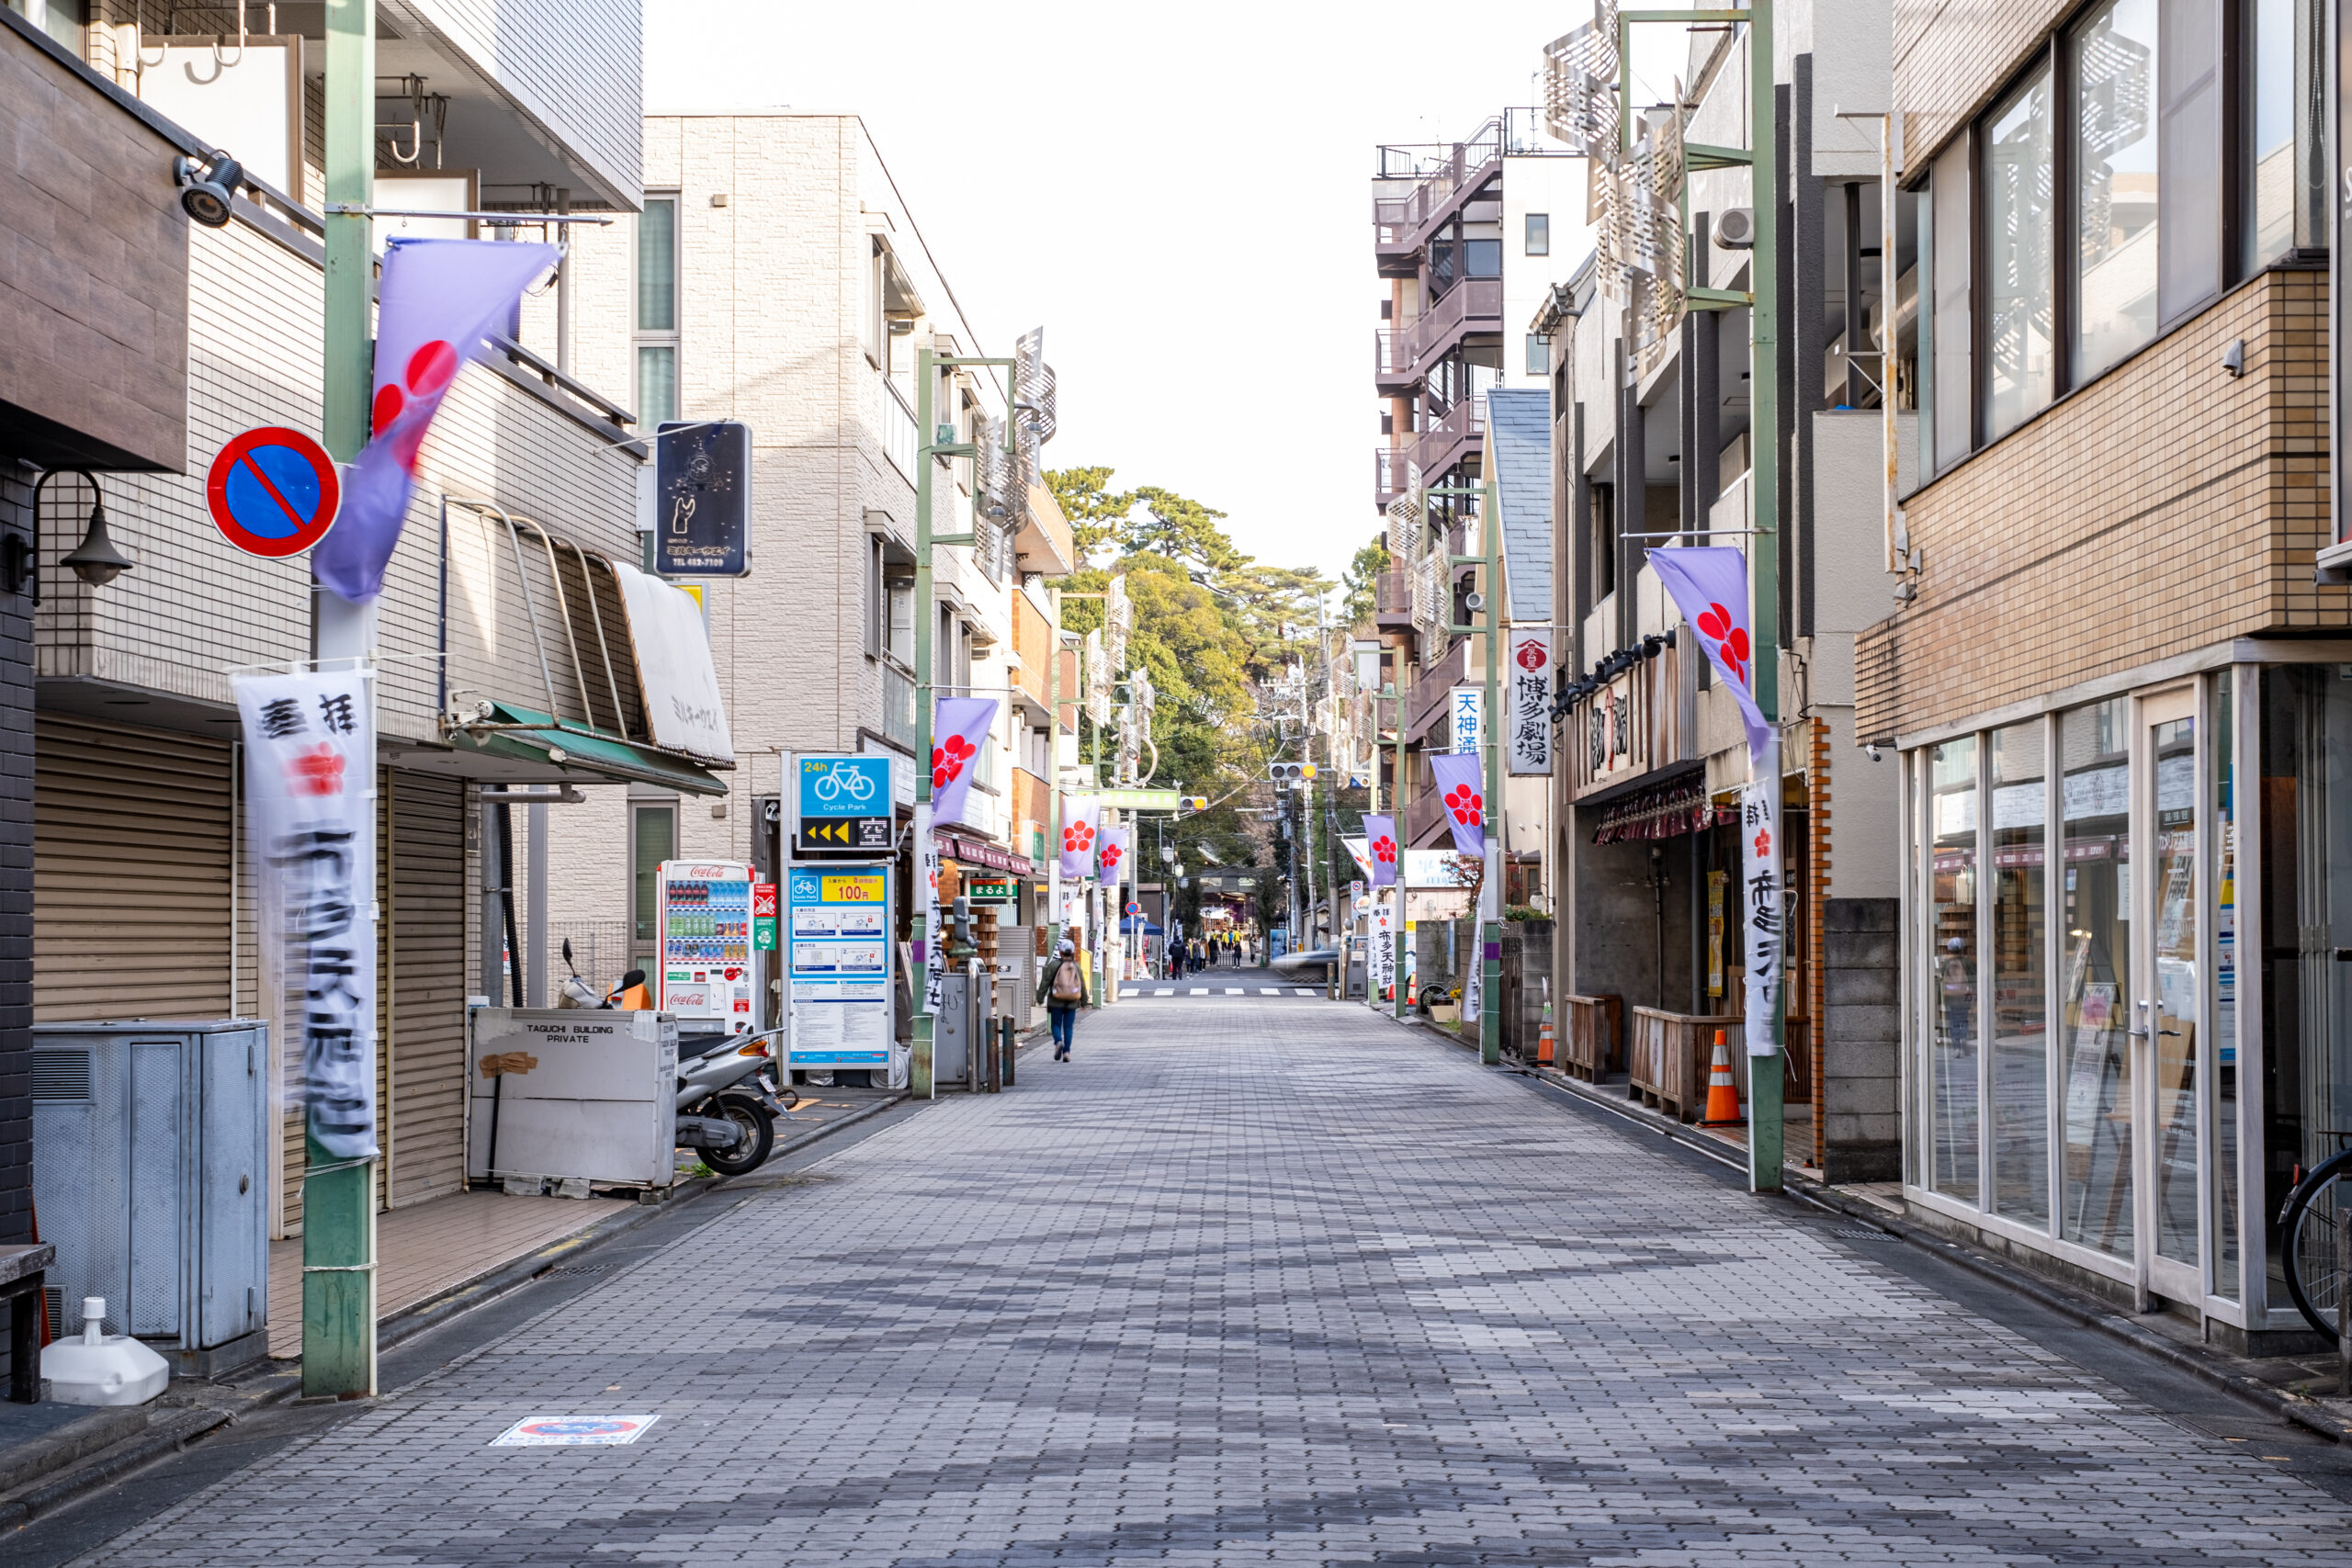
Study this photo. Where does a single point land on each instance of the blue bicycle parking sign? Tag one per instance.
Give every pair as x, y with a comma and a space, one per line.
845, 786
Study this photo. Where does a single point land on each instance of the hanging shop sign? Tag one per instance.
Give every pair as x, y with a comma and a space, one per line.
838, 967
702, 508
1528, 702
273, 491
1463, 718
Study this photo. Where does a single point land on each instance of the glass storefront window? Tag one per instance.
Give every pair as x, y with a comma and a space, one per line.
2177, 1008
2306, 858
2095, 976
2225, 1110
2020, 1107
1952, 997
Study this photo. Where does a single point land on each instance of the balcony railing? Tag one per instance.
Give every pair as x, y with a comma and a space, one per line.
1392, 593
898, 706
1442, 444
1392, 358
899, 442
1400, 222
1389, 472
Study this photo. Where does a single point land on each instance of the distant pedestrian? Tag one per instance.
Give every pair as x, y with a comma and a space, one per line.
1062, 991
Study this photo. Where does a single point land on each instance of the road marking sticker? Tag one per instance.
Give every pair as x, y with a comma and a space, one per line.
1302, 991
1198, 991
573, 1431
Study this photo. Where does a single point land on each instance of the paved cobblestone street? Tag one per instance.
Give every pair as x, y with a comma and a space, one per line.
1279, 1284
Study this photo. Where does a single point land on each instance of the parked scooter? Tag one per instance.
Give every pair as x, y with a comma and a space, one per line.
726, 1108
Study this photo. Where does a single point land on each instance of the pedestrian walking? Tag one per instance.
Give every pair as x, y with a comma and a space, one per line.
1061, 990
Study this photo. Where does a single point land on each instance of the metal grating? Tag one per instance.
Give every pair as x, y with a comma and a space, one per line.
60, 1075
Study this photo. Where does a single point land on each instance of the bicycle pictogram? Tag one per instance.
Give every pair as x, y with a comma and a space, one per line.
844, 778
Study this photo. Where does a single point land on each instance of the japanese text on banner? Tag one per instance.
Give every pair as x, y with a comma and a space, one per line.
310, 829
1760, 906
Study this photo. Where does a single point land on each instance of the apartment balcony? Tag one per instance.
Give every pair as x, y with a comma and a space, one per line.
1402, 223
1451, 439
1425, 701
1392, 600
1389, 473
1472, 308
1392, 361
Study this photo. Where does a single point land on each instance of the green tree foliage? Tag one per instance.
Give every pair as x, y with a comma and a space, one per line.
1097, 513
1210, 625
1362, 579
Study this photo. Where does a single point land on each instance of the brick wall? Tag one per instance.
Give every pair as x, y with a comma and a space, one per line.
2163, 508
1951, 55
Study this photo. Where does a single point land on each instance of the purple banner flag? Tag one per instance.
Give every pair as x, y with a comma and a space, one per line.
959, 729
1380, 849
436, 301
1464, 793
1709, 587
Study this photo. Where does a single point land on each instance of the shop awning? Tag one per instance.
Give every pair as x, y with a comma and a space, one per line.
1662, 811
522, 735
973, 851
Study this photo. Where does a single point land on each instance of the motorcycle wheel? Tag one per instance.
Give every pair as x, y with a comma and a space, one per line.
753, 1148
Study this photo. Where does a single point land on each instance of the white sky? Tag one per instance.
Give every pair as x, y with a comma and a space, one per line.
1181, 195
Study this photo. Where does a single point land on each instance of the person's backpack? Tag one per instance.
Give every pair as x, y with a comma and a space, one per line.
1069, 986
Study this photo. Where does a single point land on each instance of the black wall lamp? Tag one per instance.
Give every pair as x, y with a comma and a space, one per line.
95, 561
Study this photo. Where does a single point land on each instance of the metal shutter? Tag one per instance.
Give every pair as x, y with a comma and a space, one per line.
132, 873
422, 950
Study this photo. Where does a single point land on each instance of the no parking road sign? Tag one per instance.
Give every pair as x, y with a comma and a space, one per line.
572, 1431
273, 491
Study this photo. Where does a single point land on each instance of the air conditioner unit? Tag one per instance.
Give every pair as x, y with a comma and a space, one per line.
151, 1174
1736, 228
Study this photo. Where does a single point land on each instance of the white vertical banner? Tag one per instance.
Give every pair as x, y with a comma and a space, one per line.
1381, 957
310, 836
927, 869
1760, 905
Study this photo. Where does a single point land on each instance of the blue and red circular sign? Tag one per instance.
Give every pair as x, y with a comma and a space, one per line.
273, 491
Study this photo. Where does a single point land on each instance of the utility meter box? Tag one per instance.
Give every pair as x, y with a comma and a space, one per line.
151, 1174
709, 979
571, 1093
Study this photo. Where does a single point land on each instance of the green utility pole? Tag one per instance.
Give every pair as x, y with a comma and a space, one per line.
1489, 624
928, 364
1765, 1111
339, 1199
1398, 929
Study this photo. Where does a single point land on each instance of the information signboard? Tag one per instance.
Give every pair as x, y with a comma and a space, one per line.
844, 804
837, 963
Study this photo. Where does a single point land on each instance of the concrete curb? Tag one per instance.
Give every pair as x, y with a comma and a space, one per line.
93, 1452
2234, 1375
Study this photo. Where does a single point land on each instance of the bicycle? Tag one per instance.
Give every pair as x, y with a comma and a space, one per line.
2310, 1222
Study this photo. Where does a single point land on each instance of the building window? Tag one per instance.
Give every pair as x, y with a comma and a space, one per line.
2021, 1099
657, 311
2096, 995
2283, 173
1539, 233
2018, 296
653, 838
2117, 199
61, 19
1949, 344
1538, 354
1482, 258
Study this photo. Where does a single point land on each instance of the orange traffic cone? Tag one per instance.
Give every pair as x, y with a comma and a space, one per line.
1543, 1041
1722, 1094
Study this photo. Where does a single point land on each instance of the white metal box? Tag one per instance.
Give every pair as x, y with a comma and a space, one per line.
573, 1092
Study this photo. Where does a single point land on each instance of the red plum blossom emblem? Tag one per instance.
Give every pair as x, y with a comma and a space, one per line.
1467, 805
1729, 640
1077, 838
947, 760
1384, 850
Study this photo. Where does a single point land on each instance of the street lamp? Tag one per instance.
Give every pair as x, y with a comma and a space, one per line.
95, 561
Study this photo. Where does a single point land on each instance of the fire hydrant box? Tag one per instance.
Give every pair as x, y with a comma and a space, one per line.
571, 1093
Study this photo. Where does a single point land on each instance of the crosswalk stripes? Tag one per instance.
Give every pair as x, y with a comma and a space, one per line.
1140, 991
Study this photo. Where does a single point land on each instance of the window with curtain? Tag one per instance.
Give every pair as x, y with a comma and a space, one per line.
1953, 344
2019, 297
657, 311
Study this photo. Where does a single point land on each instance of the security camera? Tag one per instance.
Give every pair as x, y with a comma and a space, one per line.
1869, 750
1474, 602
210, 198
